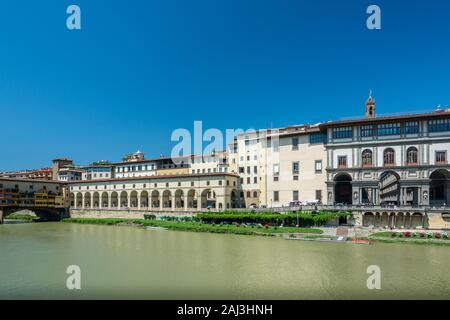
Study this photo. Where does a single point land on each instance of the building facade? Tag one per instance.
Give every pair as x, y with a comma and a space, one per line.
187, 192
281, 167
390, 162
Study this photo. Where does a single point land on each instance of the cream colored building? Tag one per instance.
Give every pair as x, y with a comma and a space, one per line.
297, 174
168, 193
280, 167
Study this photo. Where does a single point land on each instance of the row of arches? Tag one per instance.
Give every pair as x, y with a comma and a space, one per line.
389, 189
167, 199
389, 157
398, 220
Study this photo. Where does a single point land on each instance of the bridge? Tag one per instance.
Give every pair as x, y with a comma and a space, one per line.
47, 199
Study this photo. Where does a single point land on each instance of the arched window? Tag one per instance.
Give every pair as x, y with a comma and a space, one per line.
367, 158
255, 194
389, 157
248, 194
411, 155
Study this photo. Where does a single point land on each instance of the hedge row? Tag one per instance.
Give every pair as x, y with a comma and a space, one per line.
305, 219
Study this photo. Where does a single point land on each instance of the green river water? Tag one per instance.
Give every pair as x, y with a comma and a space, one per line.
133, 263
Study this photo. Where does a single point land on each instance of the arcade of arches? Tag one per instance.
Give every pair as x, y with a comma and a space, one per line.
400, 220
155, 200
391, 190
172, 195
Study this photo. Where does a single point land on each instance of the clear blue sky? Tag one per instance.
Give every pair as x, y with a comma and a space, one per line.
140, 69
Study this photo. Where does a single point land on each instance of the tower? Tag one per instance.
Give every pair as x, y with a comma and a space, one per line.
370, 106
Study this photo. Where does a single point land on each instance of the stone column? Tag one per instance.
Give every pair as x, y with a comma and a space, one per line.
139, 201
109, 201
173, 204
161, 205
199, 202
1, 217
186, 202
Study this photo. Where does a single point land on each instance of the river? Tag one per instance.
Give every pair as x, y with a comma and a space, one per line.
133, 263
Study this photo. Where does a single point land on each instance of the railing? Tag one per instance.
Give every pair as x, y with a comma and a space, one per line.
343, 207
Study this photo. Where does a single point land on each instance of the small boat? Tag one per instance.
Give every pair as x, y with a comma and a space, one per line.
156, 228
320, 239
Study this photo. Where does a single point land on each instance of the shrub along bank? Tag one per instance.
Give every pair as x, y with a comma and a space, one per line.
304, 218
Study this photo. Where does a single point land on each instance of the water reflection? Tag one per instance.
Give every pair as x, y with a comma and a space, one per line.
126, 262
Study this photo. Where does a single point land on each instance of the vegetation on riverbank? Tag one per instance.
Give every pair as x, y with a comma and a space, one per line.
17, 216
422, 238
197, 227
302, 218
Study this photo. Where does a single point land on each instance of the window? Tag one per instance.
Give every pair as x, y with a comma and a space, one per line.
318, 166
367, 158
248, 194
295, 178
241, 169
276, 169
389, 129
317, 138
275, 179
220, 182
255, 179
389, 157
248, 170
411, 156
248, 180
295, 195
276, 196
192, 183
295, 167
412, 127
319, 195
255, 194
342, 133
441, 157
367, 131
255, 169
294, 143
439, 125
342, 161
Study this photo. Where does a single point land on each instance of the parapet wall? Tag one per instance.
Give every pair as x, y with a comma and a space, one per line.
124, 214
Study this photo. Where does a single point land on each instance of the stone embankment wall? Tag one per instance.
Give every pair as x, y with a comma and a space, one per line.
129, 214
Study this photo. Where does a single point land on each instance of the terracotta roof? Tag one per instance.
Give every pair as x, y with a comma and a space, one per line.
30, 180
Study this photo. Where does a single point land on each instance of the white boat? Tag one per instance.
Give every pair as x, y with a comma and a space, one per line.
155, 228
